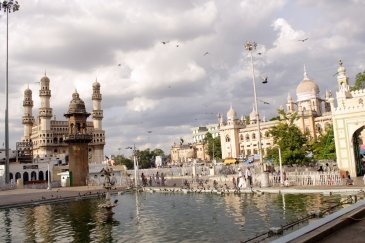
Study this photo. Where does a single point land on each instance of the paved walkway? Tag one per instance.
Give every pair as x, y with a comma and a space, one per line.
29, 197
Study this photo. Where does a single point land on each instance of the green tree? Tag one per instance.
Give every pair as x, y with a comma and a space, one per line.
214, 146
292, 141
324, 147
146, 158
122, 160
359, 81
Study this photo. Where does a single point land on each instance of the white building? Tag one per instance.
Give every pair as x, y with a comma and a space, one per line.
43, 137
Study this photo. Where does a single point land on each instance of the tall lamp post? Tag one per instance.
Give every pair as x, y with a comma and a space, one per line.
251, 46
281, 167
8, 7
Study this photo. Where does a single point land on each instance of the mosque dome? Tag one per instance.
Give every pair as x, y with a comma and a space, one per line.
307, 88
44, 80
231, 114
77, 105
96, 84
28, 92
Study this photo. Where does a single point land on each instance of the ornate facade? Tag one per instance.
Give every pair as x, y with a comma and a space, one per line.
44, 136
239, 137
348, 115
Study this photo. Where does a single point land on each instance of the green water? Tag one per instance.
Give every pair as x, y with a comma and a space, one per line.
159, 217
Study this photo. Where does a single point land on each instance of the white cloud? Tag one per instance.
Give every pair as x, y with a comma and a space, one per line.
141, 104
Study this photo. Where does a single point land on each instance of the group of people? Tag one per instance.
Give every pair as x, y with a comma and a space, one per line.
158, 180
244, 179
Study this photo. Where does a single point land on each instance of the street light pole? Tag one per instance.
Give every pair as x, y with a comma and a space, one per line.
251, 46
281, 167
8, 6
49, 176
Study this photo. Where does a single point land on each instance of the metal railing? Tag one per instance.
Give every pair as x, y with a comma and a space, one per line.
309, 178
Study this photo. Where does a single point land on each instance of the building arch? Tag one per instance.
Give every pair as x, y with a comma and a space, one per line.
33, 176
50, 176
25, 177
348, 122
41, 176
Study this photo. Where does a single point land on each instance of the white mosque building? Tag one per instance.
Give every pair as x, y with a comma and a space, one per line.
239, 136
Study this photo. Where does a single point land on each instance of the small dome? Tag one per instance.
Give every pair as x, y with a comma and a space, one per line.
28, 92
77, 105
96, 84
231, 114
45, 79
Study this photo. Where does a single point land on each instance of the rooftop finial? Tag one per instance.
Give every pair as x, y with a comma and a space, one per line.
305, 72
45, 72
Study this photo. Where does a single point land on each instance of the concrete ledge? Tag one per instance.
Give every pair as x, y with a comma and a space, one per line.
326, 226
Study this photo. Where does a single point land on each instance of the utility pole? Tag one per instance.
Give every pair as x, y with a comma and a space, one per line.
251, 46
8, 7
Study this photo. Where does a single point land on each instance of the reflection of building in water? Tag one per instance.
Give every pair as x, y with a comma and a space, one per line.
38, 224
234, 207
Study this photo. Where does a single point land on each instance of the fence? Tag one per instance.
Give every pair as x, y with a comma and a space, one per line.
309, 178
54, 184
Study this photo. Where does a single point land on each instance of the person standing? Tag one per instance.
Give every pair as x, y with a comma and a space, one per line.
241, 183
249, 176
234, 182
157, 179
162, 179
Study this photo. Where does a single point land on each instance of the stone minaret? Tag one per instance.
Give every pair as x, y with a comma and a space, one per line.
97, 116
290, 104
45, 135
78, 139
28, 118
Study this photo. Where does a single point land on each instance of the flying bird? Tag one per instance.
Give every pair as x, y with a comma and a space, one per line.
264, 80
302, 40
259, 53
119, 64
165, 42
206, 53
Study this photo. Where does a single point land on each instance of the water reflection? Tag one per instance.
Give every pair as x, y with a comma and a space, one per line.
156, 217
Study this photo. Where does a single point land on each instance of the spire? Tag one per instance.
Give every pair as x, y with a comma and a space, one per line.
290, 99
305, 73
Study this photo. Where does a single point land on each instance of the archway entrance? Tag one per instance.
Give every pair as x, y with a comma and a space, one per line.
41, 176
25, 177
348, 117
359, 151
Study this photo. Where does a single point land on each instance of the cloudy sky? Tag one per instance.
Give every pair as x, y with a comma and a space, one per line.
169, 88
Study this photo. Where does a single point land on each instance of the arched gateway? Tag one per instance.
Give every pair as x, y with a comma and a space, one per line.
348, 118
